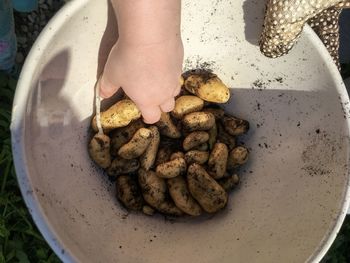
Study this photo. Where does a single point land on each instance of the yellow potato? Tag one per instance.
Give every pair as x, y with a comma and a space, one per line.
171, 168
235, 126
187, 104
208, 87
128, 192
121, 166
218, 160
147, 210
208, 193
118, 115
167, 127
195, 156
229, 182
169, 208
195, 139
237, 157
198, 121
176, 155
99, 148
137, 145
181, 196
149, 156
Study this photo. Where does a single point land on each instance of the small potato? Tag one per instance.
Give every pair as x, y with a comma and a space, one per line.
171, 168
99, 148
195, 139
198, 121
181, 196
118, 115
128, 192
147, 210
169, 208
224, 137
237, 157
153, 187
167, 127
235, 126
149, 156
229, 183
218, 160
137, 145
121, 136
217, 112
208, 87
176, 155
213, 133
195, 156
122, 166
187, 104
163, 155
208, 193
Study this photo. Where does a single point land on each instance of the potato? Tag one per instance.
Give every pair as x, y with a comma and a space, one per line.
171, 168
176, 155
229, 182
235, 126
121, 136
208, 87
203, 147
237, 157
169, 208
167, 127
99, 148
195, 156
148, 158
137, 145
118, 115
187, 104
224, 137
218, 160
208, 193
147, 210
128, 192
123, 166
195, 139
153, 188
163, 155
217, 112
213, 133
181, 196
198, 121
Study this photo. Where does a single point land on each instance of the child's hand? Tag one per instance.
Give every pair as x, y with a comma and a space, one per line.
149, 75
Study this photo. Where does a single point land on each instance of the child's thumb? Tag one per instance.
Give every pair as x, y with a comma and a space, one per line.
107, 89
150, 114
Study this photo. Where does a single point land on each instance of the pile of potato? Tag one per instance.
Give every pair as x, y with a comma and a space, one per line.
183, 164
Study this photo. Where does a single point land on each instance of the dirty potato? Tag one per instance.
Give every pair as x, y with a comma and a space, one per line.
153, 187
176, 155
118, 115
208, 193
171, 168
121, 166
99, 150
149, 156
147, 210
213, 133
217, 112
218, 160
235, 126
121, 136
187, 104
208, 87
198, 121
128, 192
167, 127
224, 137
137, 145
195, 156
181, 196
195, 139
237, 157
163, 155
229, 182
169, 208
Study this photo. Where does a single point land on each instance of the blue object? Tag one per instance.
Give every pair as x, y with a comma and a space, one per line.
25, 5
8, 46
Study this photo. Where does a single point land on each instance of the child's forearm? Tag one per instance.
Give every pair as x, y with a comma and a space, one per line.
147, 22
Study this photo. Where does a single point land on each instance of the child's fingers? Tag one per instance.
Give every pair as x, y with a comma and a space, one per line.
150, 114
168, 105
107, 89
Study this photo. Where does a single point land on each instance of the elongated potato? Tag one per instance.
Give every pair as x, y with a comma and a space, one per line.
181, 196
118, 115
176, 155
171, 168
229, 182
99, 148
218, 160
235, 126
163, 155
128, 192
224, 137
208, 87
198, 121
153, 188
213, 133
195, 139
195, 156
237, 157
169, 208
217, 112
137, 145
121, 166
208, 193
121, 136
167, 127
187, 104
149, 156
